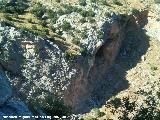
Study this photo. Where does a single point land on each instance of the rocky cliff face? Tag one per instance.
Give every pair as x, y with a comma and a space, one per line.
92, 72
37, 67
94, 69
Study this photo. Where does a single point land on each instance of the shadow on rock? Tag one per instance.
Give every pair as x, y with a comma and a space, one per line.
134, 46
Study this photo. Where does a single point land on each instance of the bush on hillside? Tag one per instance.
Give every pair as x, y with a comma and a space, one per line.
13, 6
7, 23
66, 26
88, 13
50, 105
82, 2
53, 16
116, 2
38, 10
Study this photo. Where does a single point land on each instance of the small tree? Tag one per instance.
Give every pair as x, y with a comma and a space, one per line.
53, 16
58, 1
83, 51
117, 2
88, 13
100, 34
16, 6
38, 10
66, 26
82, 2
93, 1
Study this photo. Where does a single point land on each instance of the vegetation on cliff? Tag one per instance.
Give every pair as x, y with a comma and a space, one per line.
51, 47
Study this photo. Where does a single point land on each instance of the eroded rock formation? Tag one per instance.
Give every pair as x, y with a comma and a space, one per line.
36, 66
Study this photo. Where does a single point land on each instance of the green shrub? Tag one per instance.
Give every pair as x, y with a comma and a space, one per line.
38, 10
50, 105
15, 15
76, 9
108, 14
60, 12
83, 13
69, 9
83, 20
66, 26
154, 67
79, 10
68, 54
83, 51
33, 31
116, 2
76, 41
96, 112
91, 20
88, 13
30, 20
8, 17
158, 19
116, 102
24, 30
53, 20
17, 6
82, 2
53, 28
58, 1
34, 27
134, 11
53, 16
40, 33
158, 94
100, 34
60, 32
46, 31
43, 23
2, 4
104, 2
93, 1
147, 111
150, 112
84, 34
8, 23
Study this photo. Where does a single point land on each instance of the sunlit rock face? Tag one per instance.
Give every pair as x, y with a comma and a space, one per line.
38, 63
153, 26
37, 66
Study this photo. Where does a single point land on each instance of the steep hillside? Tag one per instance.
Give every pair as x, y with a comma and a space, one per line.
135, 73
86, 59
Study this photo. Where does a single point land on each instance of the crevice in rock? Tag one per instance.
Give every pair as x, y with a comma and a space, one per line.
79, 95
